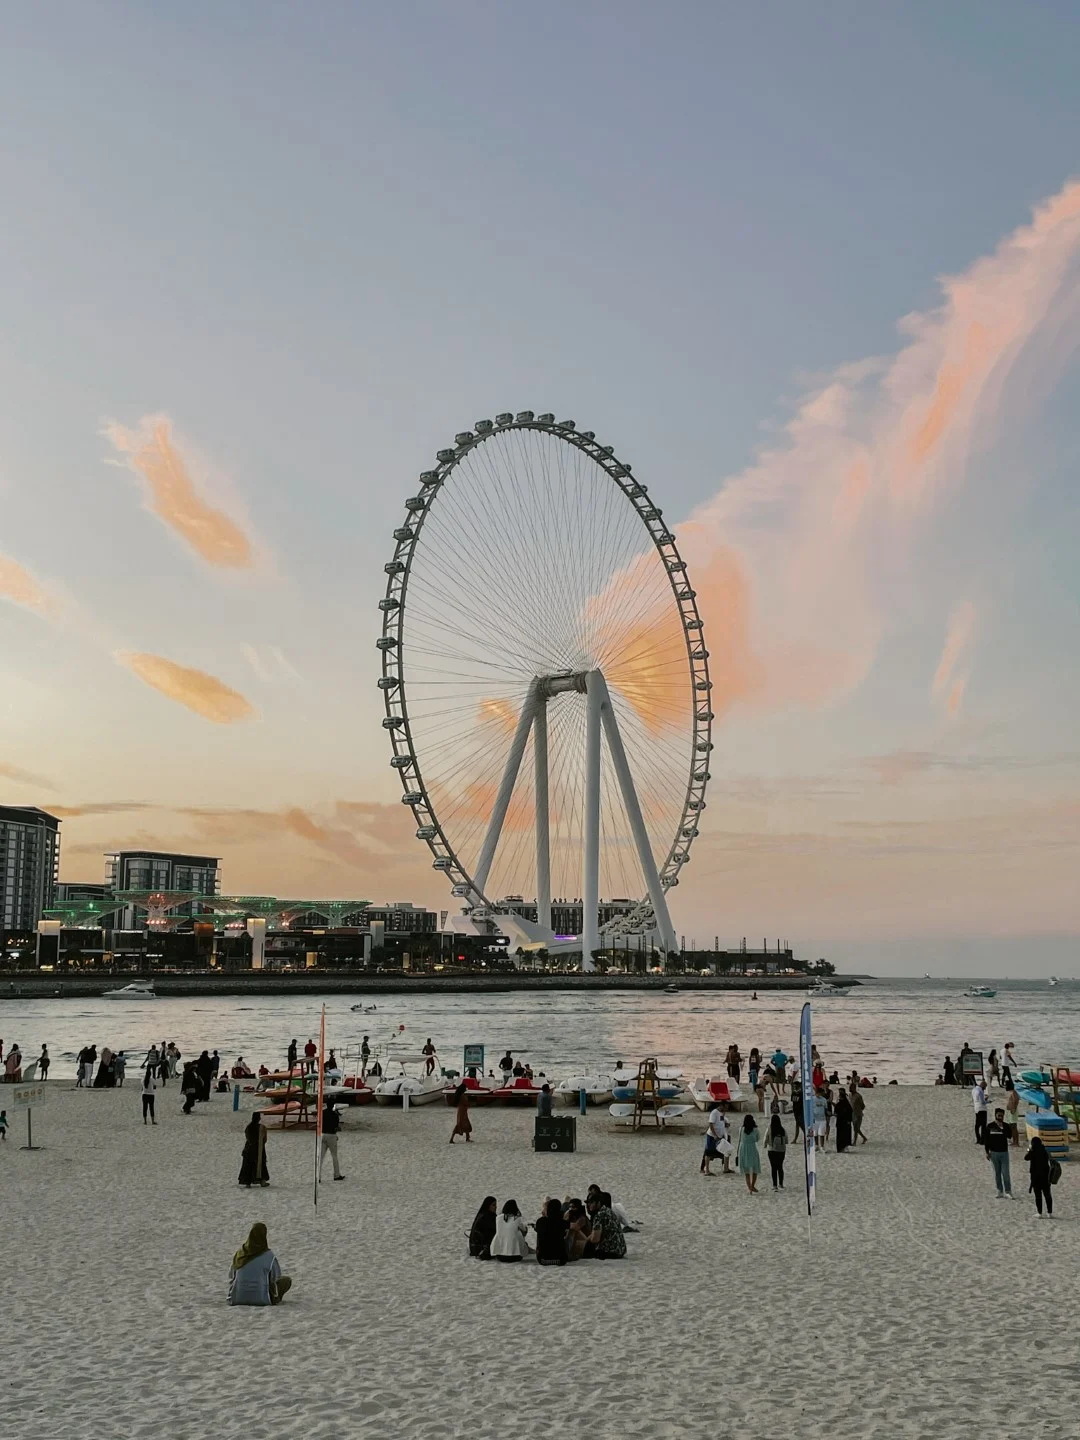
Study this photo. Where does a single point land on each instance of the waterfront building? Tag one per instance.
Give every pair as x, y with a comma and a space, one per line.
29, 862
163, 873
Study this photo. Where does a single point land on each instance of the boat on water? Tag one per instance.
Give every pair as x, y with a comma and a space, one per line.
671, 989
980, 992
822, 990
137, 990
396, 1082
1053, 979
367, 1009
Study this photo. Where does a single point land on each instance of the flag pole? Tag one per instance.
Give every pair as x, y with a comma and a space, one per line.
318, 1119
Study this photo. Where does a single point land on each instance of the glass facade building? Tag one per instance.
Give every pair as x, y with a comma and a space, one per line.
29, 863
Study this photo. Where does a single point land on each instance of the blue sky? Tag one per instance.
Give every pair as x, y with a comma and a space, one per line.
321, 240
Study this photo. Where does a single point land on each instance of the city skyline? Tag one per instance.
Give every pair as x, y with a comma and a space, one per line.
250, 300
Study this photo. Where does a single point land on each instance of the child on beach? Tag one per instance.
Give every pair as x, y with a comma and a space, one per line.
3, 1124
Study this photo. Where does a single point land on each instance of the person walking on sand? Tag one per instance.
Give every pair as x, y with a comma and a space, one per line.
776, 1142
978, 1099
148, 1086
993, 1068
120, 1068
428, 1053
462, 1123
843, 1121
1039, 1169
253, 1167
749, 1161
714, 1133
858, 1107
255, 1277
331, 1125
996, 1144
1010, 1065
43, 1063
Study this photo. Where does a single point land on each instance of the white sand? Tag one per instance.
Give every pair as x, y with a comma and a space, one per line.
923, 1301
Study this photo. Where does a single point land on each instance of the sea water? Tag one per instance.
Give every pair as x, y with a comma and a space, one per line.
894, 1029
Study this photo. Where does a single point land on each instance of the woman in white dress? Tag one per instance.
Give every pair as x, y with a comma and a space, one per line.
510, 1233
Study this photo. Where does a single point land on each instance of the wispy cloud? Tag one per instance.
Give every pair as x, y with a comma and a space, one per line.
205, 694
19, 586
822, 524
947, 685
18, 776
173, 497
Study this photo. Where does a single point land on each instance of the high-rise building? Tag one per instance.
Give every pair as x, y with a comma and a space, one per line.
159, 871
29, 862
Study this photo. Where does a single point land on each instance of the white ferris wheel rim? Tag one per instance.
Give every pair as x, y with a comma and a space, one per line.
392, 644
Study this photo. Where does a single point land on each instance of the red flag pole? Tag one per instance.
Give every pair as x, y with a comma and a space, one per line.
318, 1120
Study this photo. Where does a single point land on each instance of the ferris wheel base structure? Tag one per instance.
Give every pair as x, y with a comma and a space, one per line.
601, 725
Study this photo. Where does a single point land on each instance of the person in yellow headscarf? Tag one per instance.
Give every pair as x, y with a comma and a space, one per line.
255, 1277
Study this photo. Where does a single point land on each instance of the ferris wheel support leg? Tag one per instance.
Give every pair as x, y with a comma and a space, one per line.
543, 821
637, 822
506, 789
595, 690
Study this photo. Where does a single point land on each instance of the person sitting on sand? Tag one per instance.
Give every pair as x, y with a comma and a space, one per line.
619, 1211
483, 1229
577, 1231
240, 1071
255, 1277
510, 1232
253, 1167
606, 1236
749, 1161
551, 1235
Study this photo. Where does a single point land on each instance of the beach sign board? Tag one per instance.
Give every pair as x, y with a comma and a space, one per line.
24, 1096
474, 1058
973, 1064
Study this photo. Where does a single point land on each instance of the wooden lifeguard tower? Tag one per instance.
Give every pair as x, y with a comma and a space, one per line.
647, 1095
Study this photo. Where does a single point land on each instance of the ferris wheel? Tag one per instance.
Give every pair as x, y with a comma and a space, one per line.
545, 677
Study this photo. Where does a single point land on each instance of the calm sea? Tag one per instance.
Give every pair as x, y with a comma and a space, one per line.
894, 1029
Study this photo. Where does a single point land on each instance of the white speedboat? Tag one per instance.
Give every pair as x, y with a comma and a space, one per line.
137, 990
597, 1089
980, 992
822, 990
397, 1082
1053, 979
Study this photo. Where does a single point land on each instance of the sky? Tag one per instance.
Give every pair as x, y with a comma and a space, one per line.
814, 270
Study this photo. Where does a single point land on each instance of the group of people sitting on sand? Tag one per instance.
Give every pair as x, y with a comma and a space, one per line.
565, 1230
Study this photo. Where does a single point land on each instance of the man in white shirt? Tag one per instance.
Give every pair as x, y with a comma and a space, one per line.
714, 1134
978, 1099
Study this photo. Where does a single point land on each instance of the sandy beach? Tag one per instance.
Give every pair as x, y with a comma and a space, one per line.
921, 1305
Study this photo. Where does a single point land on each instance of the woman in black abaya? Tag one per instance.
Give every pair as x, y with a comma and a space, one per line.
842, 1120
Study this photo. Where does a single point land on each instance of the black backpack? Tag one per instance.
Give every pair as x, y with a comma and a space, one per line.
1055, 1172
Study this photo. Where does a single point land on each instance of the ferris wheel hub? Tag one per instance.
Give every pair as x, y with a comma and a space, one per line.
561, 684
